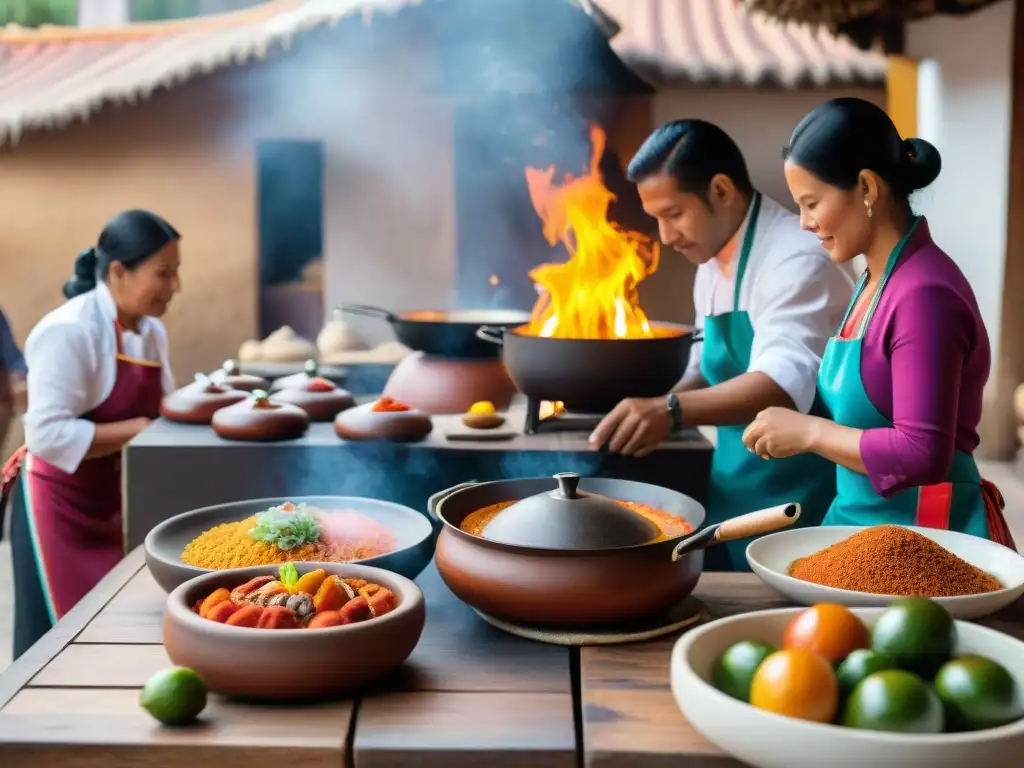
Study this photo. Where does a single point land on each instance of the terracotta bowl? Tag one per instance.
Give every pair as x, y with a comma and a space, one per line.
294, 664
413, 532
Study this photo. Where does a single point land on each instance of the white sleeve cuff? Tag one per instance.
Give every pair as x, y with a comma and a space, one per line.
795, 379
63, 444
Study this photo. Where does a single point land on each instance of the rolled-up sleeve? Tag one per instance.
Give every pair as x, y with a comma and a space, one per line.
796, 306
58, 387
932, 332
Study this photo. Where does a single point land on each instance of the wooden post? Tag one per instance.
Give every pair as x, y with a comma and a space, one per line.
999, 424
901, 94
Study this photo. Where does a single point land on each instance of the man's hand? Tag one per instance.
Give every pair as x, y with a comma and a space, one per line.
635, 427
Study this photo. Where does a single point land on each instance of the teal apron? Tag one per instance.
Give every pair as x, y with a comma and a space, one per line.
958, 504
741, 481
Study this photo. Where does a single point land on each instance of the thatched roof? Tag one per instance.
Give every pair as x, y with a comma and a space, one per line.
52, 76
864, 21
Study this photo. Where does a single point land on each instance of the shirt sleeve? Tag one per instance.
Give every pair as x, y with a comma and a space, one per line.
59, 375
931, 335
796, 306
11, 359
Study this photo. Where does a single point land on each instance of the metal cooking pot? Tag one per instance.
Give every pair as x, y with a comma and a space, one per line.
580, 587
447, 334
593, 375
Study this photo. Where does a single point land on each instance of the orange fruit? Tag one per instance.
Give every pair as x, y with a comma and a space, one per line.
828, 630
797, 683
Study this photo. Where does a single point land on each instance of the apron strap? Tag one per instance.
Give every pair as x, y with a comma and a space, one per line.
998, 530
748, 244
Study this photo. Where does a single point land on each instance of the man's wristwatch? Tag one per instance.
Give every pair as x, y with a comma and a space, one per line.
675, 411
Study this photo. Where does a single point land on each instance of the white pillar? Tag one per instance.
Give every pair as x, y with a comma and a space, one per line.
103, 13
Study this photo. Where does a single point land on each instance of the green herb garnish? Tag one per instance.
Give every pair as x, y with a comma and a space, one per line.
287, 528
288, 575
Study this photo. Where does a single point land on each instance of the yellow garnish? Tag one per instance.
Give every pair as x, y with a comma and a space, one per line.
483, 406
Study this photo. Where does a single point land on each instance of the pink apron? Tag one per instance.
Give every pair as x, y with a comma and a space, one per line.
75, 520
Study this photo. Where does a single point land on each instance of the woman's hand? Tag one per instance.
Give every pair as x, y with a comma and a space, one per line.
778, 433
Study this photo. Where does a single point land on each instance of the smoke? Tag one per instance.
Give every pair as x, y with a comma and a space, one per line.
428, 117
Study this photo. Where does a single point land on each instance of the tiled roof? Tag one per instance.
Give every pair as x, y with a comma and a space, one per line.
52, 76
721, 41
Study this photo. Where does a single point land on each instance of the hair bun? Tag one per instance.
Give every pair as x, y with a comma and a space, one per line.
922, 161
84, 278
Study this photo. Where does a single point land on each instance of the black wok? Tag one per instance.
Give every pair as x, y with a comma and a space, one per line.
593, 375
447, 334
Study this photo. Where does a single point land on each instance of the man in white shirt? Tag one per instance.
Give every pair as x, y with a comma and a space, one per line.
767, 298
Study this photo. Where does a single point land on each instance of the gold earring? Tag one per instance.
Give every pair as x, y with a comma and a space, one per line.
868, 206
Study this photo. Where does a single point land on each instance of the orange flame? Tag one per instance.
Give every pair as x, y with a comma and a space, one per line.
594, 294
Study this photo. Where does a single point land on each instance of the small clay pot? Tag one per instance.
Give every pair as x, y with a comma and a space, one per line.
321, 404
196, 403
230, 375
298, 664
483, 420
310, 371
260, 419
363, 423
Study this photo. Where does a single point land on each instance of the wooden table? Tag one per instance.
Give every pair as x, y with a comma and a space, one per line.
469, 696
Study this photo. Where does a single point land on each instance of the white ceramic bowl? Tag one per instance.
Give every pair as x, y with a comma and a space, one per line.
770, 557
766, 740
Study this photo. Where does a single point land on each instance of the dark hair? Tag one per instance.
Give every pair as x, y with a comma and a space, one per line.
843, 137
130, 238
692, 152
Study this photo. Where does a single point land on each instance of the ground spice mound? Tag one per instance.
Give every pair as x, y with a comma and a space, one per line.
891, 560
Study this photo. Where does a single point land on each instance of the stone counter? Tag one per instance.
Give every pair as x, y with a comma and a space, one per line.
172, 468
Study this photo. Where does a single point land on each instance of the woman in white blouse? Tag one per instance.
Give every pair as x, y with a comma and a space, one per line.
98, 368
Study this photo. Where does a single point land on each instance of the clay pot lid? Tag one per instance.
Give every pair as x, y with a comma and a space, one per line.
566, 518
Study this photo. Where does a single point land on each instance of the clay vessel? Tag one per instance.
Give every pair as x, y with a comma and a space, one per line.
449, 385
260, 418
363, 423
295, 664
538, 586
196, 403
230, 375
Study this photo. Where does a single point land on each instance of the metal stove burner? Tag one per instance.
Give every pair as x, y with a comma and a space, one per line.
566, 421
560, 422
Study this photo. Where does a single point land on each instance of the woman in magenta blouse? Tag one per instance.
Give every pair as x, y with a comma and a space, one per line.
904, 375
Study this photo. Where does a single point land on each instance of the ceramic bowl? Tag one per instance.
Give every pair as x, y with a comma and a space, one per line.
282, 665
413, 533
770, 557
766, 740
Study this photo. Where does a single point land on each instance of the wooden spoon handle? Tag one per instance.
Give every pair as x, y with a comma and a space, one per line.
756, 523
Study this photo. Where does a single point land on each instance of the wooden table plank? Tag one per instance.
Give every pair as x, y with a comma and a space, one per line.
53, 642
134, 615
102, 666
42, 727
457, 652
465, 730
629, 715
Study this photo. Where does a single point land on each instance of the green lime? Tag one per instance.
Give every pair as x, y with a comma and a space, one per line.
174, 696
858, 665
894, 700
918, 633
736, 667
977, 693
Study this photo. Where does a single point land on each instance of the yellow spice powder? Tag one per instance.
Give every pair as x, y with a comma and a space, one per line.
229, 546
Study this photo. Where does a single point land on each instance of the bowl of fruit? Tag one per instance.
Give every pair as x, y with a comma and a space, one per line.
294, 631
901, 687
